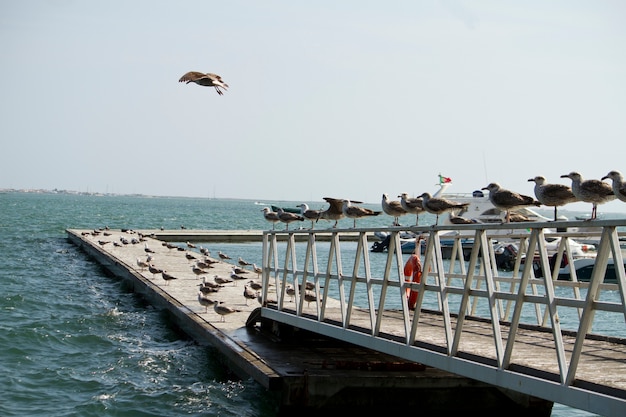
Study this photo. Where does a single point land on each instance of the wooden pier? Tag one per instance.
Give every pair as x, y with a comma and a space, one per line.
307, 373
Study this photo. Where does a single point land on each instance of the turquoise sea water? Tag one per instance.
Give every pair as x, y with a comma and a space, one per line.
76, 342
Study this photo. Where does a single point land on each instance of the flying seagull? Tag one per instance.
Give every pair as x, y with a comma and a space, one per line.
206, 80
590, 191
552, 194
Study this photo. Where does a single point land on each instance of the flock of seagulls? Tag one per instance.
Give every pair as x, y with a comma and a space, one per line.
200, 265
591, 191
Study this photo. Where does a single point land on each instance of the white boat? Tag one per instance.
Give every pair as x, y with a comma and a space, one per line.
481, 210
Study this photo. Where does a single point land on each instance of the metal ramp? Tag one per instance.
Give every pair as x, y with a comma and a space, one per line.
563, 341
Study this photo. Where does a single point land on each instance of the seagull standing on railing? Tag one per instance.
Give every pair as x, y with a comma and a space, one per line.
619, 187
437, 205
286, 217
356, 212
590, 191
412, 205
507, 200
334, 211
552, 194
309, 214
270, 216
393, 208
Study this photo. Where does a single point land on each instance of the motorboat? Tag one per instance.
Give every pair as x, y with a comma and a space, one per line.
584, 270
481, 210
295, 210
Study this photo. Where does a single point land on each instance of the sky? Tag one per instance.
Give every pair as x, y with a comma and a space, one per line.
348, 99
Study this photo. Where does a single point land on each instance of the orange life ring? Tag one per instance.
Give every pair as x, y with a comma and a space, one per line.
413, 272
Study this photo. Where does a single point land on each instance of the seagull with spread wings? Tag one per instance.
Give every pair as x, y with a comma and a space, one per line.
205, 79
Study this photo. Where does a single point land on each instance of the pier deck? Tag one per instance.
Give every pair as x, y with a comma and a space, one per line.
307, 372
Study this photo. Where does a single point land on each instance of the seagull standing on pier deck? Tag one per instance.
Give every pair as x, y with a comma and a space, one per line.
204, 79
619, 187
393, 208
142, 264
590, 191
249, 293
507, 200
198, 271
222, 280
437, 206
223, 310
205, 301
167, 277
243, 262
552, 194
154, 270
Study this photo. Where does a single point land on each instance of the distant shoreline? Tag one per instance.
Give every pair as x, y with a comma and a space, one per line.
68, 192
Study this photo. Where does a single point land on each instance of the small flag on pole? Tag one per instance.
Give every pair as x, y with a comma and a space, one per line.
444, 180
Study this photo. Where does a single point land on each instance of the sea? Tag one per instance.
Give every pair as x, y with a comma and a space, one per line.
77, 342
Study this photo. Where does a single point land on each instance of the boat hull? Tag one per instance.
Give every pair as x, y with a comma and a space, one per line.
584, 271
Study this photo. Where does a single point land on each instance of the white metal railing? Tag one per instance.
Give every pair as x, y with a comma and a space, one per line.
362, 301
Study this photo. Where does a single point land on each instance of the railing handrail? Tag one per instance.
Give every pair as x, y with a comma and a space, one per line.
457, 295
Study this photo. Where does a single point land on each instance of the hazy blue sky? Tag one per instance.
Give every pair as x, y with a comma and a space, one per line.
327, 98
